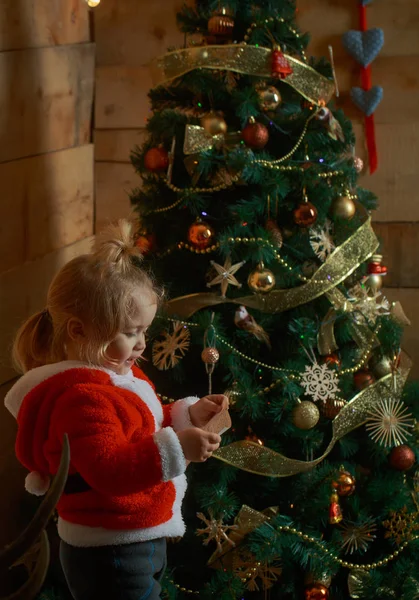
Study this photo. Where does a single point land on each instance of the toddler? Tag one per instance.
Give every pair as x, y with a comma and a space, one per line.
129, 453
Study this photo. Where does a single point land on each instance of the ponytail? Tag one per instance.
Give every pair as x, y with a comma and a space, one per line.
33, 342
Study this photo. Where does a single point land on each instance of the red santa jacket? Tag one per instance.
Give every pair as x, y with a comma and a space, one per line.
123, 447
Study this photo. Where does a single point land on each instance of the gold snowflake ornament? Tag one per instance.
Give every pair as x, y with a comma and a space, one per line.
172, 348
215, 530
225, 275
401, 525
357, 536
248, 569
389, 422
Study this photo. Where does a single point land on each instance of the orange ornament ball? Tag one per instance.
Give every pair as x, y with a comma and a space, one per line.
344, 484
200, 235
146, 243
156, 159
332, 360
305, 214
317, 591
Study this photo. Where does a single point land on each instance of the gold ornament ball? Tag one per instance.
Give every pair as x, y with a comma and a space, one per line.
269, 98
261, 280
210, 355
305, 415
344, 484
374, 282
343, 207
214, 124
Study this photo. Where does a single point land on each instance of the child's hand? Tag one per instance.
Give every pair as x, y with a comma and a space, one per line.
208, 406
198, 445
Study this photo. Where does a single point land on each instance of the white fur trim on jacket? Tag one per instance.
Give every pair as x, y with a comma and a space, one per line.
173, 461
83, 536
181, 418
36, 483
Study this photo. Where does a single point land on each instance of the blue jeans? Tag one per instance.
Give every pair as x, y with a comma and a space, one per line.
124, 572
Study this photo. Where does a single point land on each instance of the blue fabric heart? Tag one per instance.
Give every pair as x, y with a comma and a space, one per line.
367, 100
363, 46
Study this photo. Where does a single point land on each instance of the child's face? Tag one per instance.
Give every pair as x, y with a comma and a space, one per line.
129, 344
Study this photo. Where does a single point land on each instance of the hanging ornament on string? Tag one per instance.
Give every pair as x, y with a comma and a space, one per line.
358, 164
156, 159
225, 275
221, 24
332, 360
146, 242
269, 97
367, 304
214, 123
244, 320
305, 214
200, 234
381, 365
317, 588
255, 135
402, 458
321, 240
252, 437
376, 272
210, 355
271, 224
305, 415
344, 484
261, 280
280, 67
343, 207
335, 512
233, 394
334, 128
172, 348
319, 381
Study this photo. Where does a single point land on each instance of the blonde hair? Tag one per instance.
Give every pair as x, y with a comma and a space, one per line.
100, 289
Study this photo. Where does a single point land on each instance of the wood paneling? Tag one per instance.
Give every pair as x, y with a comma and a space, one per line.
36, 23
399, 243
45, 99
113, 184
47, 203
326, 20
396, 182
133, 32
115, 145
23, 292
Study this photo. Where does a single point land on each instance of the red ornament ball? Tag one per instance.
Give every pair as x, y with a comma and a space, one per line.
317, 591
331, 408
305, 214
156, 159
332, 360
200, 235
363, 378
255, 135
402, 458
210, 355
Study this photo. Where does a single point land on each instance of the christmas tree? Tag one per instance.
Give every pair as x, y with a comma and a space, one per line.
252, 217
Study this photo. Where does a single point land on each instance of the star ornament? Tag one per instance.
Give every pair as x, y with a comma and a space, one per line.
225, 275
389, 422
215, 530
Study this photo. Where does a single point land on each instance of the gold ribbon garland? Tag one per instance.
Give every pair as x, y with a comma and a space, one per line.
249, 60
341, 263
259, 460
361, 333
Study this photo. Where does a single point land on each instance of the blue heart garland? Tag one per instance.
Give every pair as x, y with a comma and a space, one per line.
363, 46
367, 100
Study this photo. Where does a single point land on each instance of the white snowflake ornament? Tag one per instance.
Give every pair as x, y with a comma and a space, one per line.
319, 382
321, 240
371, 304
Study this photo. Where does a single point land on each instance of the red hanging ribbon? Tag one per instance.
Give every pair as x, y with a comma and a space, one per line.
366, 85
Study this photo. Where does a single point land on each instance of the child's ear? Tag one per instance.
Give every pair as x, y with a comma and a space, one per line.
76, 330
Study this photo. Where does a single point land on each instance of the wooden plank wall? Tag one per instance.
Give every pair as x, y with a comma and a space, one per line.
129, 33
46, 171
